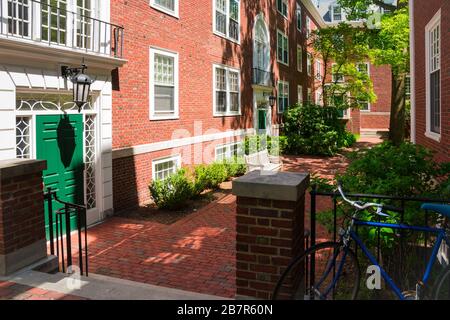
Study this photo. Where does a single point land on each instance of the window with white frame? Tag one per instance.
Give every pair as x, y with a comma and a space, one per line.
308, 26
433, 74
54, 21
408, 86
300, 94
282, 48
163, 168
23, 138
283, 96
309, 96
282, 7
168, 6
364, 106
299, 58
228, 151
336, 75
226, 91
319, 97
163, 84
336, 13
363, 68
309, 62
227, 18
298, 15
318, 69
84, 24
18, 18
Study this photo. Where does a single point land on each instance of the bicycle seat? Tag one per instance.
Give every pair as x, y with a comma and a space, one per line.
443, 209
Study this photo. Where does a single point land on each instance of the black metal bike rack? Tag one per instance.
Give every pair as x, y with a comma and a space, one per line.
57, 235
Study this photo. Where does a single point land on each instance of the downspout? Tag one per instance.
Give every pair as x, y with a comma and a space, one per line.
412, 71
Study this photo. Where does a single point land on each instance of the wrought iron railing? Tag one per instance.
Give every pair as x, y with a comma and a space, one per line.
262, 78
60, 219
50, 22
400, 202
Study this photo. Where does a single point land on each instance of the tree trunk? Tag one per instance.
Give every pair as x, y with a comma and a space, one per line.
398, 114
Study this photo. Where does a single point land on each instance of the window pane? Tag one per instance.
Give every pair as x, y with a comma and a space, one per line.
164, 99
435, 103
164, 69
234, 102
168, 4
221, 101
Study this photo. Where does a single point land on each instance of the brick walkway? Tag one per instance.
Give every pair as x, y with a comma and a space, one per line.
15, 291
197, 253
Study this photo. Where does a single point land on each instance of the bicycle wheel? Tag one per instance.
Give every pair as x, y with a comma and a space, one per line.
442, 290
336, 275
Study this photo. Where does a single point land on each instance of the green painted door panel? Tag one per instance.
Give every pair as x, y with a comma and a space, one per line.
59, 140
262, 114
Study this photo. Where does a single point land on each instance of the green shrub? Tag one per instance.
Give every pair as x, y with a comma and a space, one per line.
316, 130
209, 176
235, 167
274, 144
172, 192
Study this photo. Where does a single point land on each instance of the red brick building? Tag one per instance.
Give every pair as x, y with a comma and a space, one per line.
430, 65
198, 78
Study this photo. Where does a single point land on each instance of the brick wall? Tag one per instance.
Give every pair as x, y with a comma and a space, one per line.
192, 37
269, 234
424, 11
21, 212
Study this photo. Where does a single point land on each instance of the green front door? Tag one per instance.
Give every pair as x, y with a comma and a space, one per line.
59, 140
262, 116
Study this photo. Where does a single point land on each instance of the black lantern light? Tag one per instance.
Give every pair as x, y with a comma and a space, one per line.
81, 84
272, 100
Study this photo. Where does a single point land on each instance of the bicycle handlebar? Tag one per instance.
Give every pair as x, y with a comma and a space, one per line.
364, 206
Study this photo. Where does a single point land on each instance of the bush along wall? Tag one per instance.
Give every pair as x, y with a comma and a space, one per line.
175, 191
314, 130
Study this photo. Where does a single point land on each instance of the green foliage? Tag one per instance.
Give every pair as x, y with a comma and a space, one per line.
172, 192
274, 144
209, 176
317, 130
235, 167
345, 48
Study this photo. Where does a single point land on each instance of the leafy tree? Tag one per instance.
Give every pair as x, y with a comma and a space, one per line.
388, 43
345, 48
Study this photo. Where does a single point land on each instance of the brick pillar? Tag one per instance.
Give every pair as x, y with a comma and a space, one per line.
22, 226
270, 228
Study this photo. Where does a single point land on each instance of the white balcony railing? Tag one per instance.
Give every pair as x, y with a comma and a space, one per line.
52, 22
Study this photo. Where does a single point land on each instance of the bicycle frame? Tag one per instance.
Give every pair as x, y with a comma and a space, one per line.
441, 237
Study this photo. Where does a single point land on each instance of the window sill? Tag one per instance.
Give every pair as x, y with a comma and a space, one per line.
226, 37
283, 63
166, 11
433, 136
155, 117
230, 114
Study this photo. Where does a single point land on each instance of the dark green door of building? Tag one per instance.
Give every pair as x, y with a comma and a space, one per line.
59, 140
262, 116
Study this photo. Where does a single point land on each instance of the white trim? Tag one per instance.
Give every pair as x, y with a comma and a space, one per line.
227, 69
174, 55
412, 71
298, 9
309, 63
260, 18
333, 75
175, 143
175, 158
280, 32
332, 7
299, 93
434, 22
174, 13
227, 28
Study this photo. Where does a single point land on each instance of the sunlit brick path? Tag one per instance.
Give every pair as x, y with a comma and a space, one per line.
196, 253
15, 291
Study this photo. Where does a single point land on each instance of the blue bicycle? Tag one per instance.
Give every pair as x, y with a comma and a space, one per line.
330, 270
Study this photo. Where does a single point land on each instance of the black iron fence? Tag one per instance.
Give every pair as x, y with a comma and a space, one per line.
53, 23
401, 236
60, 232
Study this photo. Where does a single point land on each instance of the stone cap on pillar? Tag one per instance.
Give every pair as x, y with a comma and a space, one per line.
284, 186
20, 167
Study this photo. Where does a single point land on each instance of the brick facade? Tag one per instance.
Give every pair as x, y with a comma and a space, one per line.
198, 47
424, 11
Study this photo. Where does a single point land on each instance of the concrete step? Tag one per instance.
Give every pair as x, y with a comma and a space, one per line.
374, 133
99, 287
